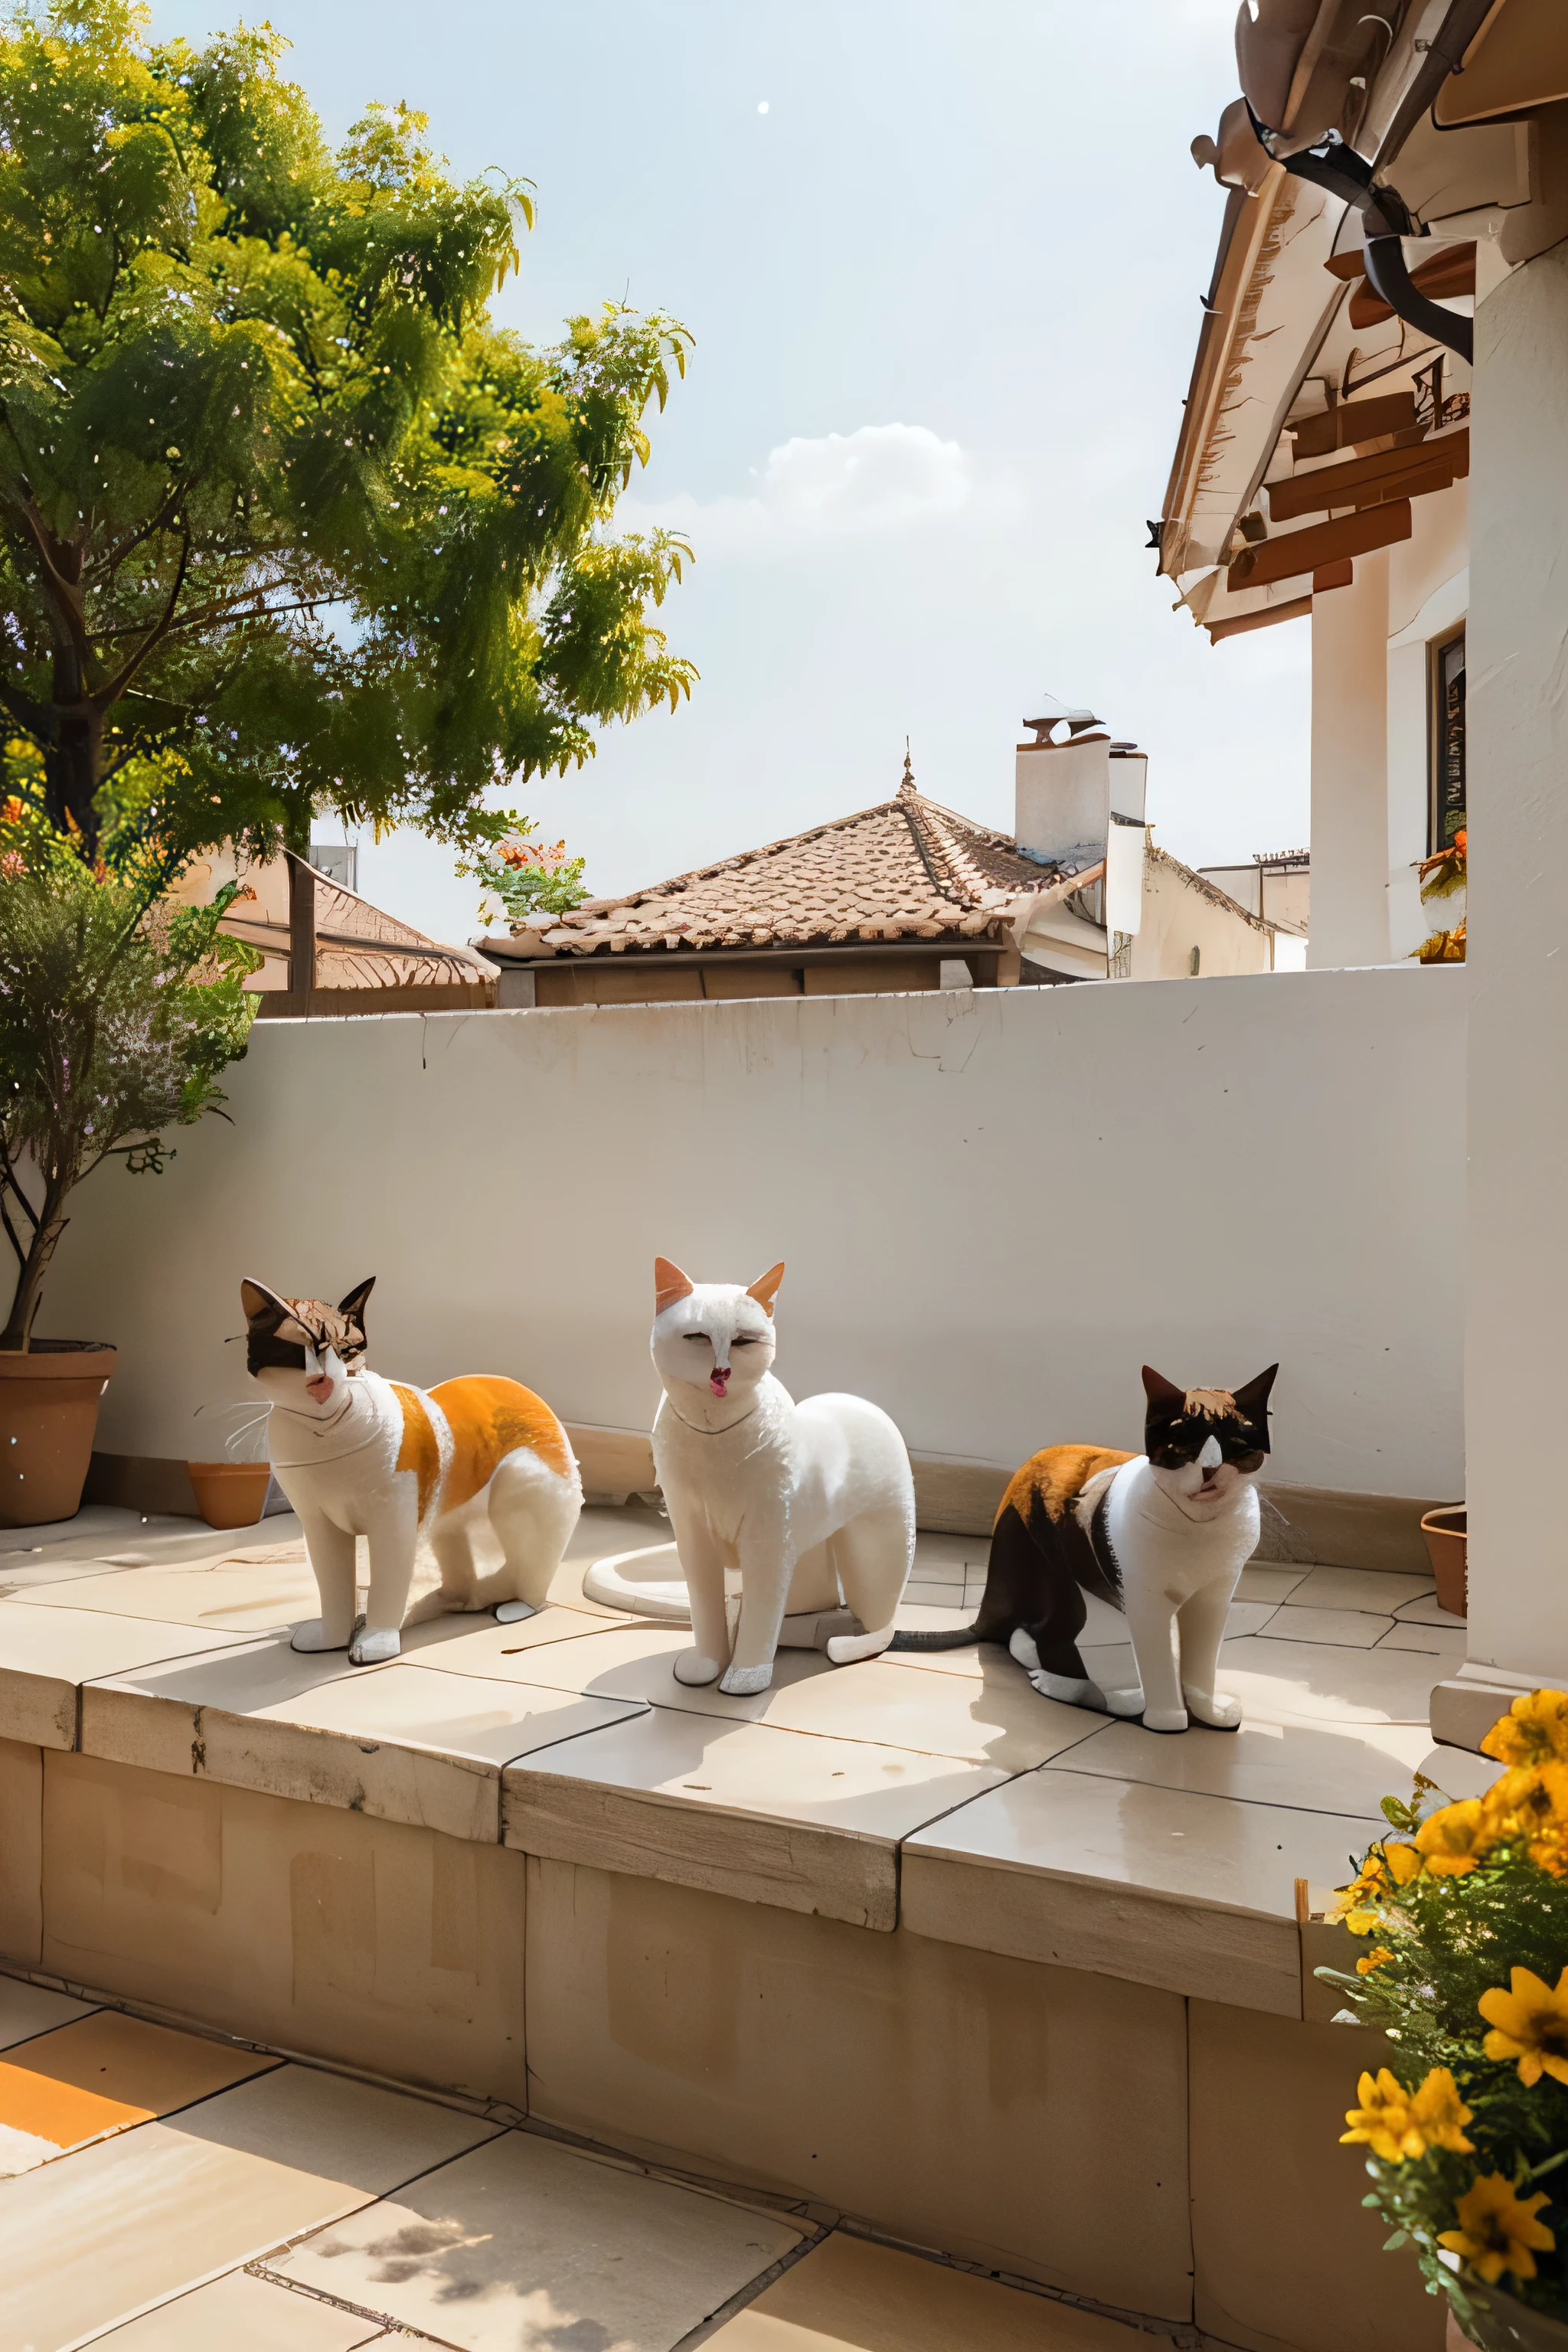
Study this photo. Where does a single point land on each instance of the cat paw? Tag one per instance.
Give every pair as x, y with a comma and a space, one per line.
744, 1682
1214, 1707
694, 1670
368, 1649
1165, 1719
512, 1613
313, 1635
1021, 1645
1125, 1702
1069, 1690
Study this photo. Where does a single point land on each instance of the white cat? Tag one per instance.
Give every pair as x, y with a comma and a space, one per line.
1163, 1536
474, 1464
807, 1501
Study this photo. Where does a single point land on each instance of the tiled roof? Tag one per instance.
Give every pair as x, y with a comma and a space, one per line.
905, 869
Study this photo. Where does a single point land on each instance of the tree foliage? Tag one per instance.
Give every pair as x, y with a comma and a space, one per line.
116, 1018
285, 521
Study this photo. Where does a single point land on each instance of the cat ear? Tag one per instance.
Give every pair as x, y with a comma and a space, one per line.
353, 1305
669, 1285
1161, 1392
261, 1305
765, 1289
1253, 1400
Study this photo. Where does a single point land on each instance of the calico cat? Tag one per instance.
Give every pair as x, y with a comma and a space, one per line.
1163, 1536
806, 1500
359, 1455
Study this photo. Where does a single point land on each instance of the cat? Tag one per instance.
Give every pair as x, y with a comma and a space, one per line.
360, 1456
1163, 1536
806, 1500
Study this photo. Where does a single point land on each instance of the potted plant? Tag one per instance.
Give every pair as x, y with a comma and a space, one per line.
117, 1009
1464, 1913
1440, 877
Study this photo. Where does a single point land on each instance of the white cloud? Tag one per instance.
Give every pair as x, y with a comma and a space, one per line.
879, 479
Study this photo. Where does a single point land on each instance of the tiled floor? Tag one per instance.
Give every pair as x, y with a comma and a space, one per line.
298, 2211
172, 1654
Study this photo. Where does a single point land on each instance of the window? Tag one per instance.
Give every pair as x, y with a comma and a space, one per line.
1448, 743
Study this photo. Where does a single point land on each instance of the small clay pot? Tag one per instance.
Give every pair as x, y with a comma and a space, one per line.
1445, 1534
1503, 2323
230, 1493
48, 1418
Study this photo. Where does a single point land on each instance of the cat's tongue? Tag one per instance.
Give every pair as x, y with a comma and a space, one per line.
719, 1378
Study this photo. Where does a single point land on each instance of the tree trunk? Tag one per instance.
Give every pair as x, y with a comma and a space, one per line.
297, 818
17, 1333
73, 765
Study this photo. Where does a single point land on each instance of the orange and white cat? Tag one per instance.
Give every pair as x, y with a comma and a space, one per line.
471, 1463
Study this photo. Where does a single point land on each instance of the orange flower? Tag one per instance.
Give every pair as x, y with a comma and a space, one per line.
1372, 1960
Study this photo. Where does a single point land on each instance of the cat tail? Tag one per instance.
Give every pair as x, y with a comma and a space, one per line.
955, 1640
645, 1595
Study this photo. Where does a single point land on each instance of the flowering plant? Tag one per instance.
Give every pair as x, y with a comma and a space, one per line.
530, 878
1465, 1911
1440, 877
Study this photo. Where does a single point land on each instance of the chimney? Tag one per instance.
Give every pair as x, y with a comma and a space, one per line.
1062, 803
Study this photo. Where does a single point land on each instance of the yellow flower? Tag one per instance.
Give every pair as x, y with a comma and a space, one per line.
1439, 2114
1370, 1881
1496, 2230
1455, 1840
1404, 1862
1530, 2024
1534, 1729
1529, 1807
1383, 2119
1397, 2124
1372, 1960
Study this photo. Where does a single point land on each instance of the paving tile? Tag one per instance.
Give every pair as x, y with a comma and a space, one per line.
588, 1660
391, 1741
525, 2243
1260, 1581
1350, 1629
1451, 1646
1280, 1681
1316, 1768
475, 1645
231, 1596
101, 1523
27, 2009
1427, 1612
1250, 1616
600, 1533
1359, 1588
929, 1595
945, 1552
1191, 1893
996, 1718
173, 2204
242, 2313
918, 1612
101, 2075
808, 1823
848, 2294
47, 1653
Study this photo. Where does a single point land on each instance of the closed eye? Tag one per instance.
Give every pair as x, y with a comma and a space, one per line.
700, 1336
746, 1339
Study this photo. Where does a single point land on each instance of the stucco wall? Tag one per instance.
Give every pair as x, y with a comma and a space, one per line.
994, 1205
1179, 917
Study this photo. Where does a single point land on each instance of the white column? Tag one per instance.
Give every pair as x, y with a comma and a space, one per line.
1516, 1252
1350, 769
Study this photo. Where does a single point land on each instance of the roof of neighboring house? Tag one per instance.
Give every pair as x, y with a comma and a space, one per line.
1207, 889
904, 869
358, 946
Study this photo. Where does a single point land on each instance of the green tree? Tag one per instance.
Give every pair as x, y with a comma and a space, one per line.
285, 521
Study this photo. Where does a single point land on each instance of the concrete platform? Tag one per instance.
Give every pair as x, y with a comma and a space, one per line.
901, 1936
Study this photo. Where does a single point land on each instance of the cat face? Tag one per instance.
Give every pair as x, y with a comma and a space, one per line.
302, 1352
714, 1338
1203, 1444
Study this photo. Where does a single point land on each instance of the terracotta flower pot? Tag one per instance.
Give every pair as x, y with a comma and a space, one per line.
230, 1493
1503, 2323
1445, 1534
49, 1417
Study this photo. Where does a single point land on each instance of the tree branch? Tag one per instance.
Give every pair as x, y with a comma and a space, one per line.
110, 692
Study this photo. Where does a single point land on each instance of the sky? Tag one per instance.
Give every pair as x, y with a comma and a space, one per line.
943, 264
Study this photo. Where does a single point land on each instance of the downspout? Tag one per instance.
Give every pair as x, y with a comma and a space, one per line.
1386, 219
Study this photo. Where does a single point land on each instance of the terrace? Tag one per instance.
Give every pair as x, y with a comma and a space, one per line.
726, 1968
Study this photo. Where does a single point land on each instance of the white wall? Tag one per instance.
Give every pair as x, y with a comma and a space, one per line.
995, 1205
